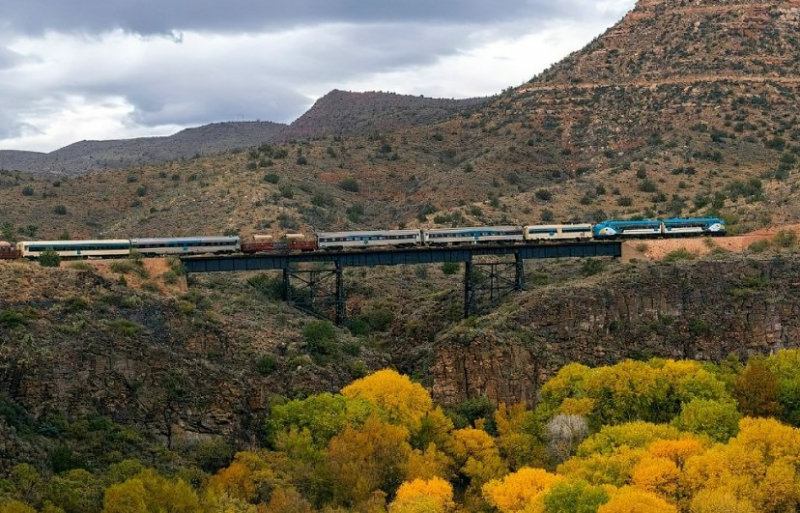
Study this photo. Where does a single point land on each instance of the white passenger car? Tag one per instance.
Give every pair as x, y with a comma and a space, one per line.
558, 232
378, 238
186, 245
473, 235
76, 248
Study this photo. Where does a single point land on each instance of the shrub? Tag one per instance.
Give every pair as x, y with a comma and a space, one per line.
266, 364
759, 246
546, 215
27, 191
320, 338
49, 258
11, 319
60, 210
141, 191
349, 185
302, 161
271, 178
544, 194
624, 201
785, 239
679, 254
450, 268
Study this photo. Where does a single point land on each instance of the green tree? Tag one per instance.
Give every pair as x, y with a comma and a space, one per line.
49, 258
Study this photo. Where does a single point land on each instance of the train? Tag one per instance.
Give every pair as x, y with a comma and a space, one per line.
343, 241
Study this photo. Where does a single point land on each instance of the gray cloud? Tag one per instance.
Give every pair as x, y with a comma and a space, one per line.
166, 16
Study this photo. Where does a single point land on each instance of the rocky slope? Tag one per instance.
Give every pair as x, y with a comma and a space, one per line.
124, 344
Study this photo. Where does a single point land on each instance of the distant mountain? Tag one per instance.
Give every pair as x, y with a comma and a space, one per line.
343, 113
86, 156
337, 113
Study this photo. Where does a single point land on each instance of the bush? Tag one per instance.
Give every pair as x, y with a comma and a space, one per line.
785, 239
679, 254
547, 215
349, 185
60, 210
759, 246
141, 191
266, 364
624, 201
49, 258
27, 191
302, 161
450, 268
544, 194
271, 178
320, 338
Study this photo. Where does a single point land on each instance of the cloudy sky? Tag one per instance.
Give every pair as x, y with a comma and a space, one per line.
111, 69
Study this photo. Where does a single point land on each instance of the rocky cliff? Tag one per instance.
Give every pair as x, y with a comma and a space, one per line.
704, 310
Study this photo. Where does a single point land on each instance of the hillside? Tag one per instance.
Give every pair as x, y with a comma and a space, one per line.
336, 114
343, 113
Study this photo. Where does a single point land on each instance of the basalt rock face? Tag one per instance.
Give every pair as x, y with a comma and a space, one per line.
706, 310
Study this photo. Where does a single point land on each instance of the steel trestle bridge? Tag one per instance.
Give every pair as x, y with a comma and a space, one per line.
316, 290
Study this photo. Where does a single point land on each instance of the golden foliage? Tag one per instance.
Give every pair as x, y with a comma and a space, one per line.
677, 450
720, 500
428, 464
288, 500
243, 477
519, 490
657, 475
613, 469
362, 461
436, 492
634, 500
572, 406
634, 435
477, 455
406, 403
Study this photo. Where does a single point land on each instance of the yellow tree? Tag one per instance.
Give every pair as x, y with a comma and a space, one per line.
657, 475
434, 493
406, 403
720, 500
359, 462
519, 490
634, 500
248, 477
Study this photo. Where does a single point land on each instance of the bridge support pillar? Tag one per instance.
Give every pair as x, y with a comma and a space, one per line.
318, 292
486, 284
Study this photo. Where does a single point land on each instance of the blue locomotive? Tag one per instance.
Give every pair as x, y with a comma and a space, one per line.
654, 228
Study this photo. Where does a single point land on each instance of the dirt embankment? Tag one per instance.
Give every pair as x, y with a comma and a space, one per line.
657, 249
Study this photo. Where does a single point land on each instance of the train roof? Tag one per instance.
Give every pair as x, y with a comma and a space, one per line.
473, 228
368, 233
694, 220
75, 242
162, 240
629, 222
